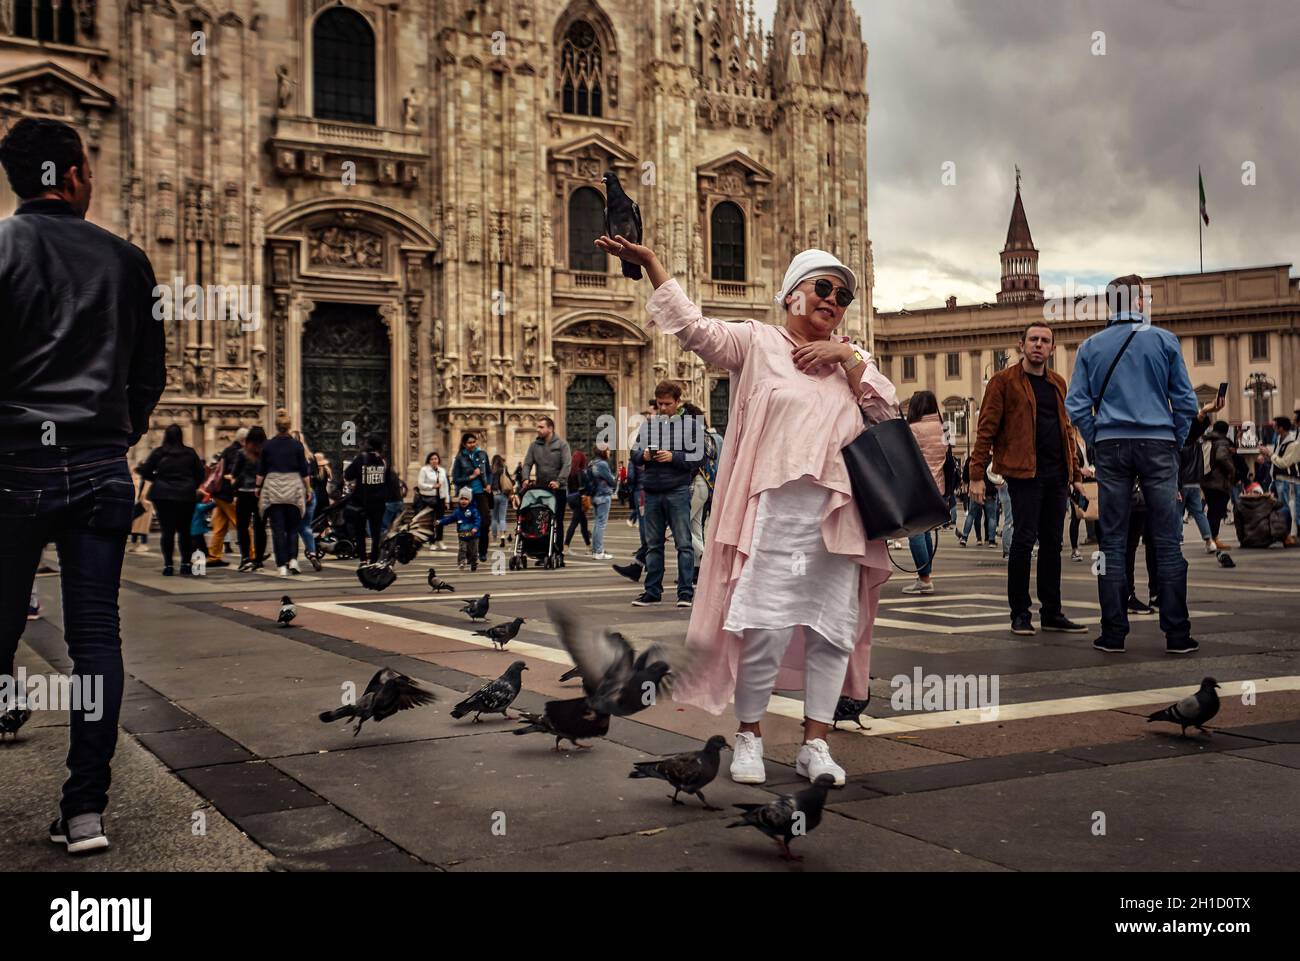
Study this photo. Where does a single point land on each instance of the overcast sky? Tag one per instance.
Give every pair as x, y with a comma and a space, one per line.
1108, 145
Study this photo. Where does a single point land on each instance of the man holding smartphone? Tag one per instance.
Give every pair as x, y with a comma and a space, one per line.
661, 449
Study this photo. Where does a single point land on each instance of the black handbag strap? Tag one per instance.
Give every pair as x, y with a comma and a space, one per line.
1106, 383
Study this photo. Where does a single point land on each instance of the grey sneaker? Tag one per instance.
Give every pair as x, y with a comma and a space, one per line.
80, 834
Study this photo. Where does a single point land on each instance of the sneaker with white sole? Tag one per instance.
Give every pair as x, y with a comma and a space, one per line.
747, 759
282, 571
814, 759
80, 834
293, 566
919, 586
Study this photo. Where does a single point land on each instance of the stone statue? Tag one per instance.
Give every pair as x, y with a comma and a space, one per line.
530, 344
411, 110
283, 88
697, 253
474, 330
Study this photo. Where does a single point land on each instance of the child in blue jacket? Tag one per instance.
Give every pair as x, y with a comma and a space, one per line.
467, 520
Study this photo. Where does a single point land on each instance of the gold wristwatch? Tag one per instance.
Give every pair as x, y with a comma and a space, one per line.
852, 364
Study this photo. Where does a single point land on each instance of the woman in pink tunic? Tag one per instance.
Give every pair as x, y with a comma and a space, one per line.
789, 588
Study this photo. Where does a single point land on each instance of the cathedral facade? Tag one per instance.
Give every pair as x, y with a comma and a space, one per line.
380, 215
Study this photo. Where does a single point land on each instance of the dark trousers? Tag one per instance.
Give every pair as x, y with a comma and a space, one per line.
81, 499
285, 520
483, 501
174, 519
435, 504
370, 516
1038, 506
1216, 509
1154, 465
665, 510
1139, 528
248, 517
579, 519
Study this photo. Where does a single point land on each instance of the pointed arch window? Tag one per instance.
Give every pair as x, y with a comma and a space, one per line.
582, 71
586, 223
343, 67
727, 232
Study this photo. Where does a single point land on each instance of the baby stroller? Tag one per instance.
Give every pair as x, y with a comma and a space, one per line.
536, 533
332, 530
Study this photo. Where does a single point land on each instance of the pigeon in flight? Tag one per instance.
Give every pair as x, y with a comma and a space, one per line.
287, 611
13, 719
788, 817
437, 584
622, 218
495, 696
616, 679
1195, 710
399, 546
690, 772
566, 721
502, 634
570, 674
850, 710
387, 693
477, 609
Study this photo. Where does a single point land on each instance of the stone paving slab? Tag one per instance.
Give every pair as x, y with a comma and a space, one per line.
985, 770
1288, 755
255, 787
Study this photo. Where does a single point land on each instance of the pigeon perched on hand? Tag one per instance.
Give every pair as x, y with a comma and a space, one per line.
617, 680
622, 218
437, 584
387, 693
850, 710
502, 634
287, 611
495, 696
477, 609
566, 721
690, 772
788, 817
1194, 710
13, 719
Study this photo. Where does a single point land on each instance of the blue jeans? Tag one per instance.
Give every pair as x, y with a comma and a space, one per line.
304, 531
974, 515
664, 510
599, 507
391, 510
1195, 505
923, 548
499, 504
1154, 465
81, 499
991, 510
1008, 520
1288, 492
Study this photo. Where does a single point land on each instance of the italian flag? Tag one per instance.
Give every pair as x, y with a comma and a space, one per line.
1201, 181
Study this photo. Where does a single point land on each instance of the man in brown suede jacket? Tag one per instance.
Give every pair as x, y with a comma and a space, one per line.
1023, 426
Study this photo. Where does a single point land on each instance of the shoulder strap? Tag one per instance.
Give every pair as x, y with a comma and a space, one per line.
1106, 383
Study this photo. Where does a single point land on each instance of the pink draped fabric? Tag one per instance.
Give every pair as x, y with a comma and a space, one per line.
783, 425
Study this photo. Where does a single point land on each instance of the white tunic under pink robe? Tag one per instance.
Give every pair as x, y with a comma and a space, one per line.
783, 425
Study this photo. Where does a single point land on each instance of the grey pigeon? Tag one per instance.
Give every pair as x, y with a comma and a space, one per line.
437, 584
495, 696
566, 721
617, 680
690, 772
13, 719
502, 634
570, 674
477, 609
287, 611
622, 218
850, 710
788, 817
1195, 710
387, 693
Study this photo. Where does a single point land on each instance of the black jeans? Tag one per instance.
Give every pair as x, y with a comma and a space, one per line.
1038, 507
1216, 509
285, 521
483, 501
174, 519
1139, 527
81, 499
579, 519
248, 516
371, 516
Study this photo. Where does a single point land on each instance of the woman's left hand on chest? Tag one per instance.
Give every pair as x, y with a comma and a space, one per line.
820, 355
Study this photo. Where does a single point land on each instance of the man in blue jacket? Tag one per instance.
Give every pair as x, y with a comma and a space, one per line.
1132, 401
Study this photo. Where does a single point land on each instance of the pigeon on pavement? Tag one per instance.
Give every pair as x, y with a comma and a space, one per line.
13, 719
495, 696
1194, 710
850, 710
287, 611
437, 584
387, 693
788, 817
477, 609
502, 634
690, 772
617, 680
566, 721
622, 218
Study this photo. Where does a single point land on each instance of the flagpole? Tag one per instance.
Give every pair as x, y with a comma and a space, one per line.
1200, 244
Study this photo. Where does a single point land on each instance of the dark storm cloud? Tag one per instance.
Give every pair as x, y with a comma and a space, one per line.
1108, 145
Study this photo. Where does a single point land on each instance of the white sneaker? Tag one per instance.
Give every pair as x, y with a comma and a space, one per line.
814, 759
919, 586
747, 759
603, 557
282, 571
293, 566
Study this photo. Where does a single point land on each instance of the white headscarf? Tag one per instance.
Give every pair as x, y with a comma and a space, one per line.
810, 263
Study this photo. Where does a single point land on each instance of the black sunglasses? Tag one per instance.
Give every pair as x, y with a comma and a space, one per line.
823, 287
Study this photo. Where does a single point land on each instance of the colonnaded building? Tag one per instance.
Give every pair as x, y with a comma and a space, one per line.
1240, 326
413, 189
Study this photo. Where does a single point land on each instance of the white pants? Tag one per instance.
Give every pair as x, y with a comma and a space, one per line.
699, 497
824, 668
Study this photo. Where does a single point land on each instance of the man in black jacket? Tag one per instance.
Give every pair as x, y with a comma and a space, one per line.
1191, 470
80, 373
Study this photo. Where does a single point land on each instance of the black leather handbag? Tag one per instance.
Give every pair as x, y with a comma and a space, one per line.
892, 484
